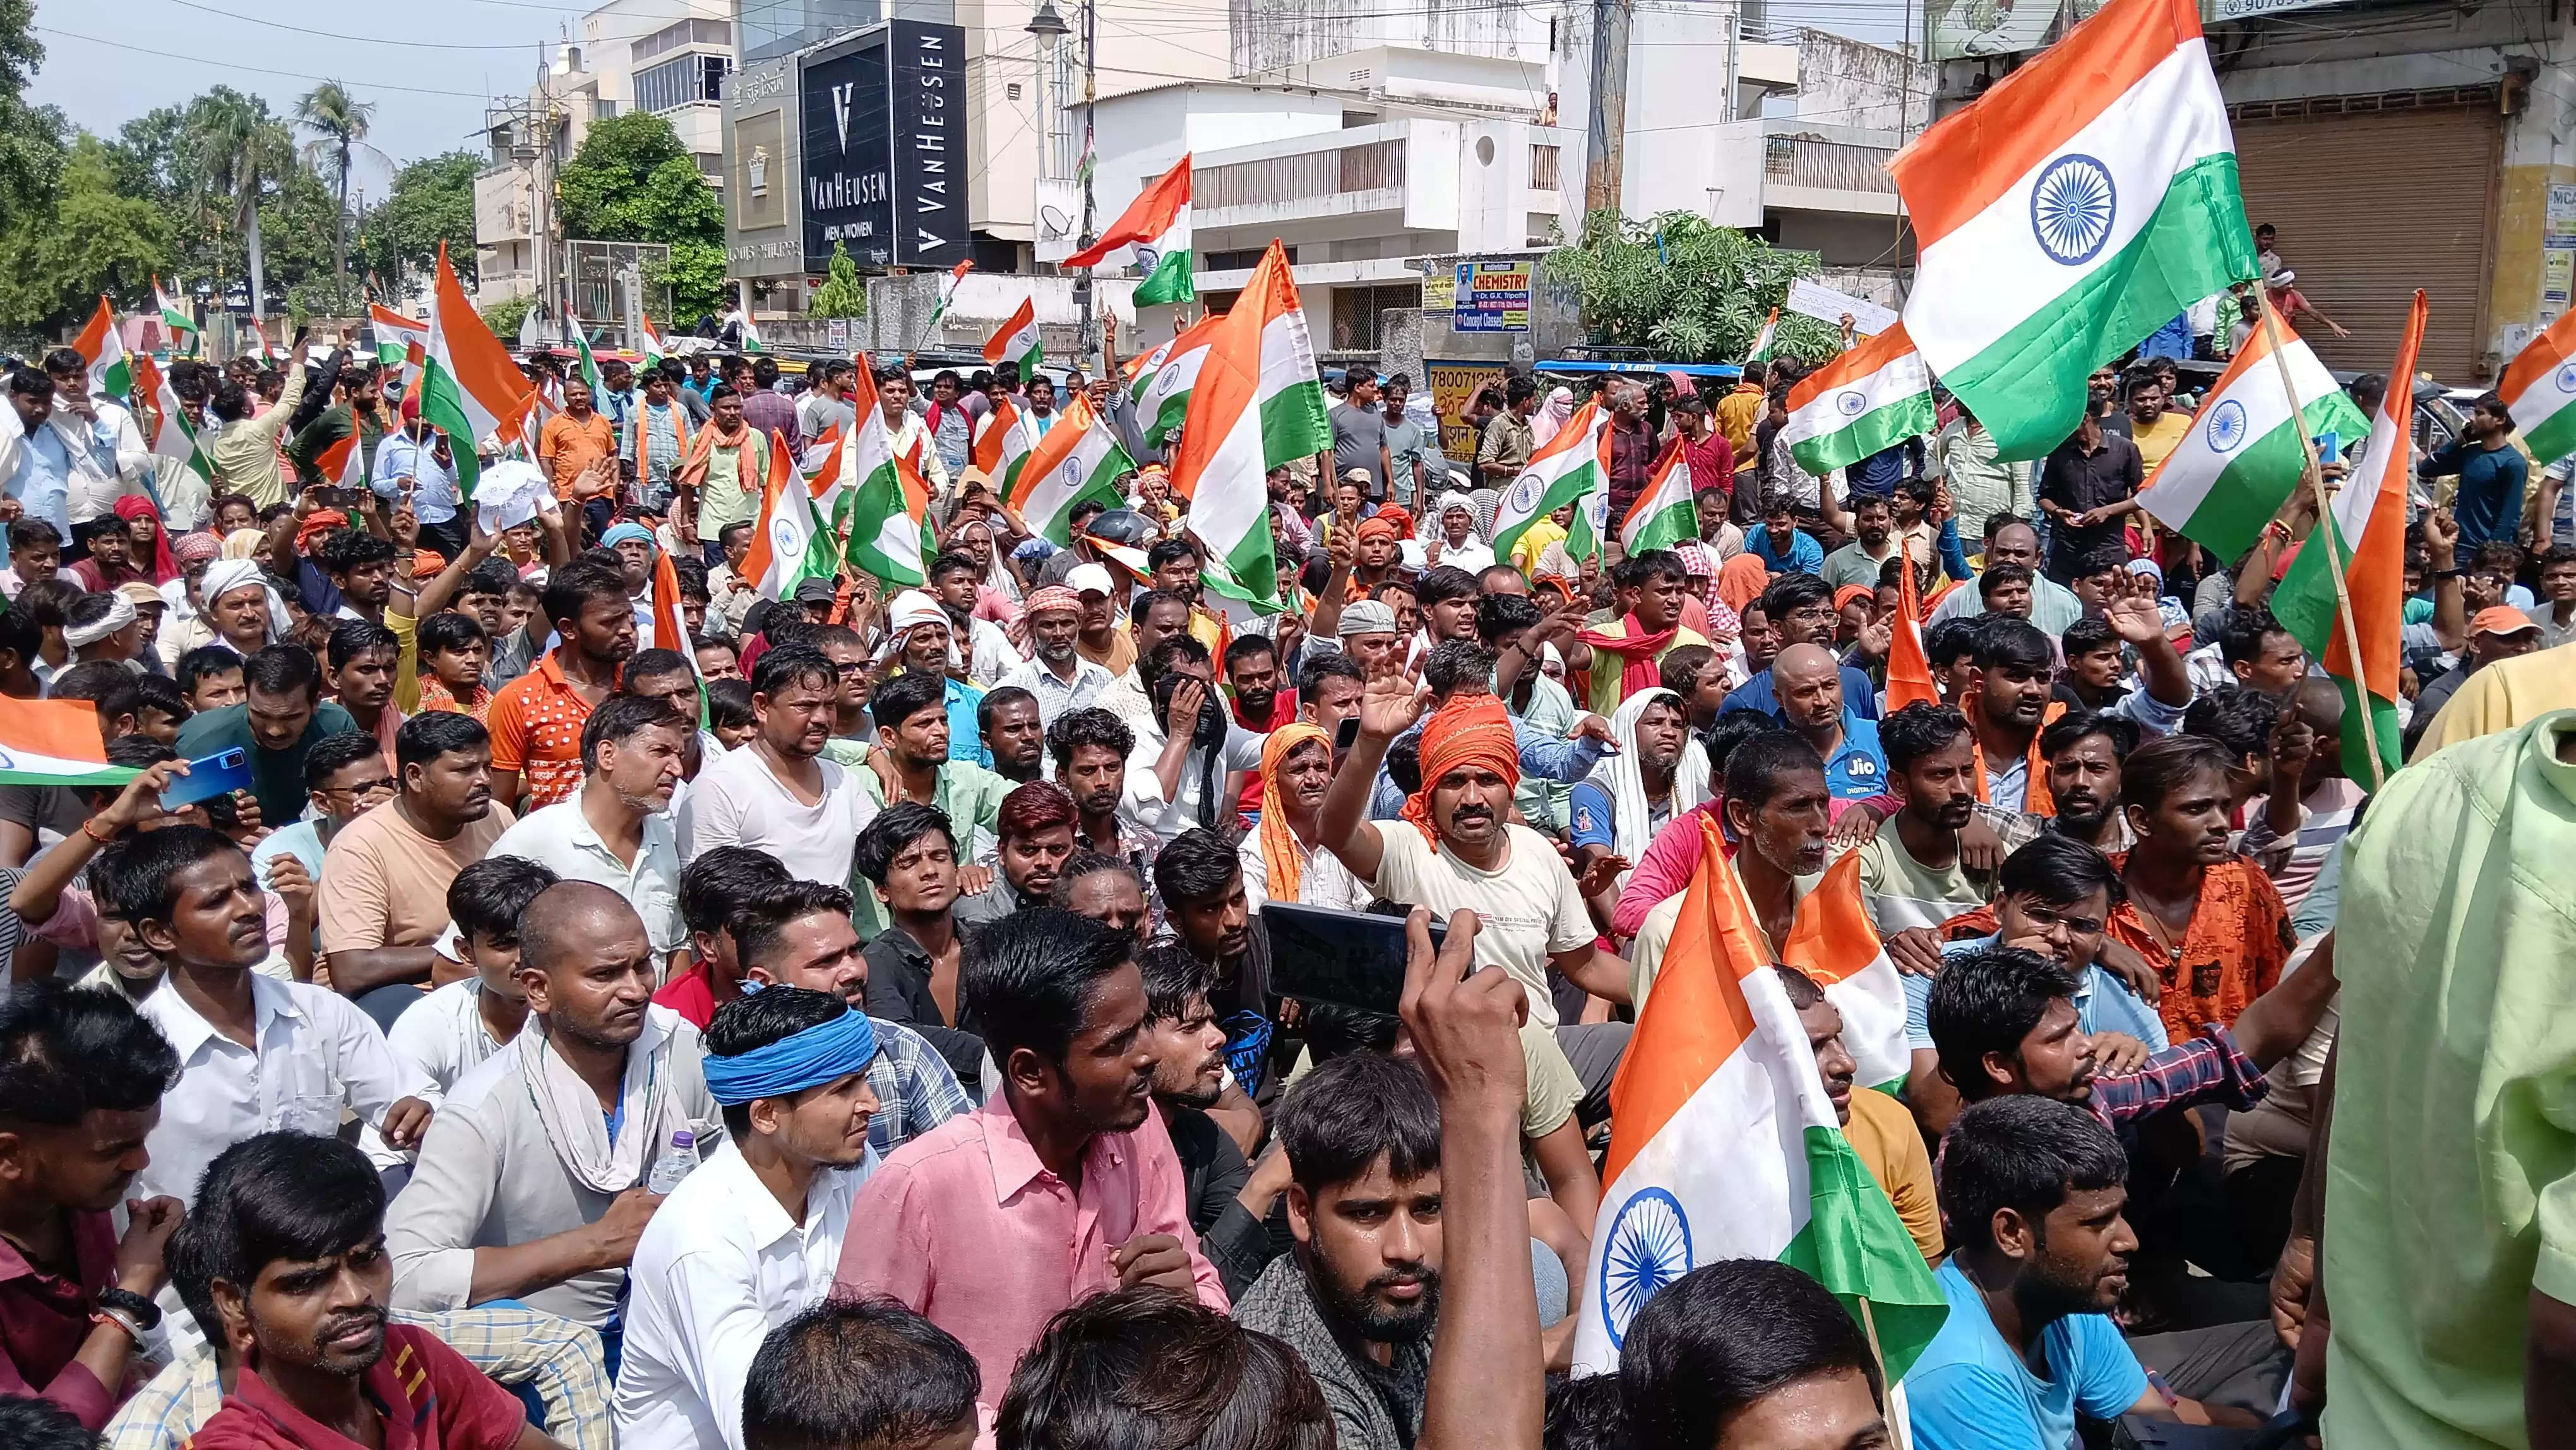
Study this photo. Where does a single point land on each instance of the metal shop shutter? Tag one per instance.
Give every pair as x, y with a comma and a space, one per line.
2374, 197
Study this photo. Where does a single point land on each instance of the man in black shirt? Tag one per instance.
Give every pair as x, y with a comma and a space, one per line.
1228, 1201
2087, 474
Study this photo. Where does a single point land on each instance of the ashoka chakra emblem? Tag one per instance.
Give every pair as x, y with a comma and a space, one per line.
2566, 379
784, 538
1649, 1247
1849, 402
1525, 492
2071, 209
2226, 426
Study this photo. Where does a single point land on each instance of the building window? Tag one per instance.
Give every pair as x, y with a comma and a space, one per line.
673, 37
1356, 313
681, 82
1543, 168
1241, 260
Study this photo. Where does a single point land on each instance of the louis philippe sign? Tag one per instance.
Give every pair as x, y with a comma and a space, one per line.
885, 148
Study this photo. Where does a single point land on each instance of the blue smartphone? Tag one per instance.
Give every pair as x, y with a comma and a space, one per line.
219, 774
2329, 447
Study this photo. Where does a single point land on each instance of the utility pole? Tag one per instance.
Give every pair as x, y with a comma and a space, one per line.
1086, 162
1606, 133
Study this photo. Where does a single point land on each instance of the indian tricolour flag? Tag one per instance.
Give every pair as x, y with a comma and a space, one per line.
948, 291
2232, 472
1664, 514
648, 342
888, 500
2540, 387
1079, 458
1017, 342
2072, 209
1724, 1145
1871, 398
401, 343
1762, 341
1153, 236
1162, 393
344, 463
1833, 941
468, 385
791, 542
172, 435
1258, 402
1565, 468
590, 377
175, 316
2365, 526
110, 375
1003, 439
54, 742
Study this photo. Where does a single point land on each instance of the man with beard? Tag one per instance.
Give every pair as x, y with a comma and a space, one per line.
752, 1237
617, 830
1634, 793
1807, 681
385, 877
919, 643
1107, 890
1874, 542
1774, 809
1284, 859
280, 717
2011, 541
2015, 666
1228, 1201
1881, 1132
1061, 1186
1090, 748
1176, 564
777, 795
1911, 872
1360, 1297
1007, 719
2033, 1192
1152, 617
798, 934
536, 719
1057, 672
522, 1190
1033, 839
1207, 910
301, 1285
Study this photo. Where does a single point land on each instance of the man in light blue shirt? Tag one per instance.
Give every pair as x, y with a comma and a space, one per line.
1779, 544
432, 471
344, 775
35, 466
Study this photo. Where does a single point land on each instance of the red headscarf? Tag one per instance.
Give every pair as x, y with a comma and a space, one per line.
315, 525
1475, 730
161, 567
1396, 518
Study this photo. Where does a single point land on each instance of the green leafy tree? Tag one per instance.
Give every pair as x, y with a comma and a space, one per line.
94, 237
504, 317
840, 295
32, 138
432, 201
241, 149
1685, 288
632, 181
338, 122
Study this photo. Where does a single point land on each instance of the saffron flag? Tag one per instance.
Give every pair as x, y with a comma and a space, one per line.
1153, 236
1258, 402
1909, 668
2540, 387
2082, 202
1724, 1145
1870, 399
469, 386
2365, 527
2232, 472
1017, 342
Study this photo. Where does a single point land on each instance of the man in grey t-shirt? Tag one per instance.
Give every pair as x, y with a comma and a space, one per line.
1359, 432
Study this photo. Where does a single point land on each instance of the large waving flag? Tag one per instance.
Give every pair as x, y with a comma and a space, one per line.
890, 534
791, 543
110, 375
2540, 387
2078, 205
1665, 514
2232, 472
344, 463
1871, 398
468, 385
54, 742
1833, 942
2365, 526
1017, 342
1565, 468
1161, 391
1078, 459
1153, 236
1002, 443
1724, 1145
1258, 402
401, 343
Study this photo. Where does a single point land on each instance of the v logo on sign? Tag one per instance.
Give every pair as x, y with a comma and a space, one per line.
841, 110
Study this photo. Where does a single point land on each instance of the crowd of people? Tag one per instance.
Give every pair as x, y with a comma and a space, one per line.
853, 1023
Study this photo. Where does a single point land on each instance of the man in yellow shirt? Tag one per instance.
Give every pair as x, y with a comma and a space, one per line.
1533, 542
1881, 1132
243, 451
2155, 430
2504, 696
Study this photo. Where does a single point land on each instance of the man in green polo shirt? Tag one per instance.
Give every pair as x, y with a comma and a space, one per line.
280, 720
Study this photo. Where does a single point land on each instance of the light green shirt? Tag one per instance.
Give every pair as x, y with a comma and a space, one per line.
2451, 1184
726, 496
968, 794
1551, 709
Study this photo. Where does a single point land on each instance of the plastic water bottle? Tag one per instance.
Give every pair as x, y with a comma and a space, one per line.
674, 1165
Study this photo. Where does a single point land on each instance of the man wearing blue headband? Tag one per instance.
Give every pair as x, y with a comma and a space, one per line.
752, 1238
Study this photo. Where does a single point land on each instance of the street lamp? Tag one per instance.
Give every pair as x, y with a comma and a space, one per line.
1048, 26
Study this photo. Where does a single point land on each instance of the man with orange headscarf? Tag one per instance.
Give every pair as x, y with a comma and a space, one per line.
1284, 858
1457, 847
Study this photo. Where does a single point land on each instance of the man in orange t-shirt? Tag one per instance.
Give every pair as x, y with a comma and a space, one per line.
572, 441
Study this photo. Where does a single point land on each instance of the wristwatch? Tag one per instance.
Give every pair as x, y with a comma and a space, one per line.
145, 1314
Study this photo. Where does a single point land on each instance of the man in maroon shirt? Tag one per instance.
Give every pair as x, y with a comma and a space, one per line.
81, 1079
1632, 448
1710, 456
293, 1226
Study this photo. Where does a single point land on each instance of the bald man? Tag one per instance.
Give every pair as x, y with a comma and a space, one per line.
1807, 681
534, 1192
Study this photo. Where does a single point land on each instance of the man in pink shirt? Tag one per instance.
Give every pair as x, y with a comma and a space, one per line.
1059, 1187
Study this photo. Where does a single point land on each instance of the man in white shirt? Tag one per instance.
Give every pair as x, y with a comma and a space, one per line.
1179, 777
452, 1030
753, 1236
616, 830
109, 458
1058, 675
777, 795
256, 1054
989, 653
530, 1184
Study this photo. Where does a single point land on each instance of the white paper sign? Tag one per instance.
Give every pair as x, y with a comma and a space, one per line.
1823, 303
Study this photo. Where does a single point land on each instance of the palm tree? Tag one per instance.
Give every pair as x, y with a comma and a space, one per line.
339, 123
239, 145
